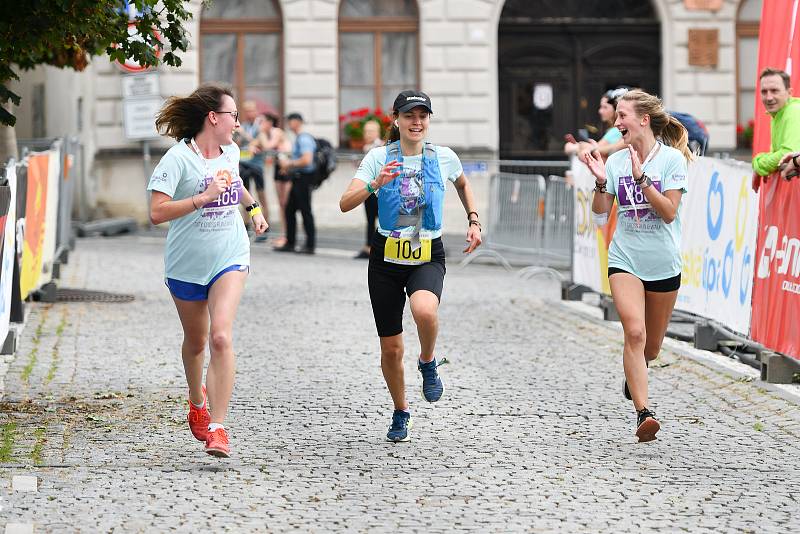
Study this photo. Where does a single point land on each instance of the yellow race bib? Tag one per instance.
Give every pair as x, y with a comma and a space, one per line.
245, 154
398, 250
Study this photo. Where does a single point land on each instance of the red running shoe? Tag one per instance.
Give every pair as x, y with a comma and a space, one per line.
217, 443
199, 419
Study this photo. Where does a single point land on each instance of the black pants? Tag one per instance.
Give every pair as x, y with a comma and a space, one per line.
371, 207
300, 199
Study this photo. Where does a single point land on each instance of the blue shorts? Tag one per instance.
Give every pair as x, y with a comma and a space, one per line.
189, 291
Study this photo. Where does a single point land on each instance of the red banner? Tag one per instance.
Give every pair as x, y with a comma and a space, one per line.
776, 288
778, 48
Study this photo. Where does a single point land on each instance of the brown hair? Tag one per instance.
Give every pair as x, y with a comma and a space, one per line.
183, 117
664, 125
787, 82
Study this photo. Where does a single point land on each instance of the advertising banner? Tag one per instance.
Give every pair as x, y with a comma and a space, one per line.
35, 213
719, 224
778, 48
7, 250
776, 292
719, 217
590, 243
51, 215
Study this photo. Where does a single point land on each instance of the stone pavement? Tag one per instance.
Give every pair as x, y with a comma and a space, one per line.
533, 434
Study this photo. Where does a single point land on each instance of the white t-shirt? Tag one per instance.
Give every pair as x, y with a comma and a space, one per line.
643, 244
204, 242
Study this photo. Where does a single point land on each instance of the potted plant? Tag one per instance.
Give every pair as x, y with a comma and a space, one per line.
352, 124
744, 134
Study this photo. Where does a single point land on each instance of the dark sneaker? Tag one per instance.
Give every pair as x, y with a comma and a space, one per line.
432, 387
284, 248
306, 250
401, 424
261, 238
646, 425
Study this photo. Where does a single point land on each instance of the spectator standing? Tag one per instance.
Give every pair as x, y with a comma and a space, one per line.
776, 95
300, 168
272, 139
251, 166
372, 139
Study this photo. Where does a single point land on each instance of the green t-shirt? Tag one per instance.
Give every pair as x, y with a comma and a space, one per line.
204, 242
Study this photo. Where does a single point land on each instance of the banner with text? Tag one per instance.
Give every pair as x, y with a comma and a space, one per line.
720, 221
719, 217
590, 242
776, 293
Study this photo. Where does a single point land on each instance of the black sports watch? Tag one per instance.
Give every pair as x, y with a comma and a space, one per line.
644, 182
252, 206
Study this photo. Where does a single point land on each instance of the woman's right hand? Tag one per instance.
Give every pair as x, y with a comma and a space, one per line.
217, 186
389, 172
596, 166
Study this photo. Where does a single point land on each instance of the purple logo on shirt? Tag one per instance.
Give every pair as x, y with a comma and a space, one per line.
629, 193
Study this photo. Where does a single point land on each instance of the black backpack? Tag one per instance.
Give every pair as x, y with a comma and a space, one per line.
324, 161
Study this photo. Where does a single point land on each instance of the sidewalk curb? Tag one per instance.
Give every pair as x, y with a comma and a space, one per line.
711, 360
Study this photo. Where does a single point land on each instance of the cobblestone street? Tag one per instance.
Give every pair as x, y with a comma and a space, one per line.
532, 435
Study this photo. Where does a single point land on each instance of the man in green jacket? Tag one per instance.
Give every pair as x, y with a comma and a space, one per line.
777, 98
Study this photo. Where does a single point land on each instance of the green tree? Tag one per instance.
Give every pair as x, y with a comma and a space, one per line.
67, 33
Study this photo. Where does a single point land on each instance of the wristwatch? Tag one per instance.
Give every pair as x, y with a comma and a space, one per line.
252, 206
644, 182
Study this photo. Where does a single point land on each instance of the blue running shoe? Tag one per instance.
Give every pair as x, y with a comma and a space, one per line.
432, 387
401, 424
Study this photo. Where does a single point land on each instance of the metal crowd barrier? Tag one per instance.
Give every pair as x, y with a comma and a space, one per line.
530, 217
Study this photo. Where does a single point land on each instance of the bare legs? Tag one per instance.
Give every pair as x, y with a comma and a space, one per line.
645, 316
219, 310
424, 308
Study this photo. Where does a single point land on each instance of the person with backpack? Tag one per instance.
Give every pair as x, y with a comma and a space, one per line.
301, 167
409, 176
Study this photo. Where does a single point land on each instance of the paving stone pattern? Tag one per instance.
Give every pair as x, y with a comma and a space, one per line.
532, 435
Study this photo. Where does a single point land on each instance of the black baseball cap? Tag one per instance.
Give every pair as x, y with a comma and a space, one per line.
410, 99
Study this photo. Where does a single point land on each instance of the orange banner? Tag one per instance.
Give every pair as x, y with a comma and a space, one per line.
35, 210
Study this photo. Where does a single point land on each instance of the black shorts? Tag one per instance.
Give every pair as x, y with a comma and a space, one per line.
658, 286
251, 171
389, 283
281, 177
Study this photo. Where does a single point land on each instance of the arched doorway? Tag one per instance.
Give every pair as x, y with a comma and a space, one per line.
557, 57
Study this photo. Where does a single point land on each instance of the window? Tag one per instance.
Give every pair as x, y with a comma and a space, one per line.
378, 52
240, 44
747, 25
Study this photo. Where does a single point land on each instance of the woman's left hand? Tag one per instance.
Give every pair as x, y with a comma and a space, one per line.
260, 224
473, 238
636, 164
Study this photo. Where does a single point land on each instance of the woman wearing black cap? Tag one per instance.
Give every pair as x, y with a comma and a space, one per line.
408, 176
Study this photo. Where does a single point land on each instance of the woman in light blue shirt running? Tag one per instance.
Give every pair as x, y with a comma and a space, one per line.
197, 188
648, 180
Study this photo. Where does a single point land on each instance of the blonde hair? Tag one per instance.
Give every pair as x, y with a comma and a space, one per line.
664, 126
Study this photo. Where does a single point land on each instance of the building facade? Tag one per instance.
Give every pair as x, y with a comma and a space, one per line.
507, 78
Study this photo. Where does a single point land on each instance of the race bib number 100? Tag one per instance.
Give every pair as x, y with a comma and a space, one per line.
398, 250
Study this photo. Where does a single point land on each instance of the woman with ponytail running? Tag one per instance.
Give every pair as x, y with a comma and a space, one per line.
647, 180
197, 188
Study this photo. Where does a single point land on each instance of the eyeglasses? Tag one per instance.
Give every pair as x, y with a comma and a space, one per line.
234, 114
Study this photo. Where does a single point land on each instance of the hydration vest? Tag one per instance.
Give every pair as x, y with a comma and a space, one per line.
394, 211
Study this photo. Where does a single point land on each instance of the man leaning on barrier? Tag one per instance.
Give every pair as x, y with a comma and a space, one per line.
775, 87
